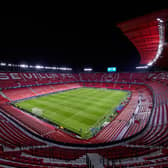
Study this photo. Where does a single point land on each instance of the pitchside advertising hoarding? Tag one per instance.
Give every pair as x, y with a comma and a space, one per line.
111, 69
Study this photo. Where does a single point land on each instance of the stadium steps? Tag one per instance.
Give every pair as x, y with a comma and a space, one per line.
33, 91
3, 95
80, 161
157, 129
122, 133
95, 160
52, 87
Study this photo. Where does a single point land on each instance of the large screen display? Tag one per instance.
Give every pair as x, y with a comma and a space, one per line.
111, 69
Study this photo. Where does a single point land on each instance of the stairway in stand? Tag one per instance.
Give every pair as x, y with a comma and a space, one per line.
94, 160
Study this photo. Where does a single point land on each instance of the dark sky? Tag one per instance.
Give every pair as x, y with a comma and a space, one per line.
74, 40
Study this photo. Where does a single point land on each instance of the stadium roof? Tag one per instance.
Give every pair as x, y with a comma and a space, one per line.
147, 33
77, 41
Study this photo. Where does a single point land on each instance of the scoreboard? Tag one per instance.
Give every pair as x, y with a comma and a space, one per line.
111, 69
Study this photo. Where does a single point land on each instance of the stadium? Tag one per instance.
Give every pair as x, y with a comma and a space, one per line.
57, 117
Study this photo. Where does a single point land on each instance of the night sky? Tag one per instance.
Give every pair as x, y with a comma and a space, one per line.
73, 40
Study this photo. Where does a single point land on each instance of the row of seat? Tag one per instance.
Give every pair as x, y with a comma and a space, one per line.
20, 159
26, 92
12, 136
155, 135
113, 130
18, 142
9, 80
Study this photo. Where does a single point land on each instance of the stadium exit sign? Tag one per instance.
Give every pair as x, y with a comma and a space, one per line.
111, 69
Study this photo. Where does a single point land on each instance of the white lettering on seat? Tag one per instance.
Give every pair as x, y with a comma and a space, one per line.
4, 76
27, 75
14, 75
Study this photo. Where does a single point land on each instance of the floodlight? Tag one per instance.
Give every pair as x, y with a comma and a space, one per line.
63, 68
39, 67
88, 69
142, 67
3, 64
23, 66
160, 20
161, 42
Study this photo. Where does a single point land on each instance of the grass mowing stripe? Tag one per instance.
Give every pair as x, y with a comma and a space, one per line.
77, 109
61, 109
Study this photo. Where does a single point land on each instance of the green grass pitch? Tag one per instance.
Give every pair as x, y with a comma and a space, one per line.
78, 110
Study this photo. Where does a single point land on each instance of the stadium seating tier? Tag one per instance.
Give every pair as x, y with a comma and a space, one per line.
19, 134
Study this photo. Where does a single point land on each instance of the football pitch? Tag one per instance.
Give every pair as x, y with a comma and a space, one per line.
78, 110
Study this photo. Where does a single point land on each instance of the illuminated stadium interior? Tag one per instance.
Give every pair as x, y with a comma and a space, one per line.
85, 99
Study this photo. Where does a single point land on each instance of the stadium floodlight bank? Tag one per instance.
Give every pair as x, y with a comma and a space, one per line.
87, 69
142, 67
4, 64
